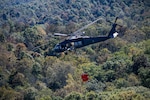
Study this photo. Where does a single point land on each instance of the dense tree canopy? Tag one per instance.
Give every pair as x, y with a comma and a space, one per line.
117, 68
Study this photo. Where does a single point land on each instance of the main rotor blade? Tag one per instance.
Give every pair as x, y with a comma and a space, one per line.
60, 34
116, 19
78, 31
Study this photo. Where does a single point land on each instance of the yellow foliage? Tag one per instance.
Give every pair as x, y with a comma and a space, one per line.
134, 51
9, 94
70, 79
133, 80
82, 60
21, 46
41, 30
126, 95
91, 96
50, 60
73, 85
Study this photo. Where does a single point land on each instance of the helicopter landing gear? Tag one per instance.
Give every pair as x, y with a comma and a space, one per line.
66, 53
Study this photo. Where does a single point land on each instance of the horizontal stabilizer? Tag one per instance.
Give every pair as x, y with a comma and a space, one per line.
115, 34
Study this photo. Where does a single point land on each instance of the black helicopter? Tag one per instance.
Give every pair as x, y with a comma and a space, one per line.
78, 41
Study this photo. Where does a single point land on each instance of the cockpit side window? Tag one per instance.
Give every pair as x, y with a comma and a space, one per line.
57, 47
78, 43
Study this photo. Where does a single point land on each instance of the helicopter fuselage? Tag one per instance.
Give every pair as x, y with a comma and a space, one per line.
81, 41
71, 44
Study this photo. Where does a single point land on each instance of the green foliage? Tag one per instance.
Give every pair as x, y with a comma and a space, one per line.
17, 79
18, 37
57, 98
95, 85
147, 46
2, 38
37, 69
9, 94
19, 52
32, 37
30, 94
74, 96
144, 74
134, 93
133, 37
89, 51
133, 80
112, 45
56, 71
46, 98
139, 62
146, 29
103, 55
92, 96
9, 47
4, 77
121, 83
44, 94
117, 68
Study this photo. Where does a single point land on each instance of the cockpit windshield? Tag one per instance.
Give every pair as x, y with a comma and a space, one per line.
57, 47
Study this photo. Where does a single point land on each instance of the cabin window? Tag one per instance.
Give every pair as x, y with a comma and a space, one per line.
78, 43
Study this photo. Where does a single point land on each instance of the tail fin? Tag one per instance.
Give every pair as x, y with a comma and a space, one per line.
113, 33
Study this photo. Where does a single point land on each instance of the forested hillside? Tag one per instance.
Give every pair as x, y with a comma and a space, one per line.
118, 69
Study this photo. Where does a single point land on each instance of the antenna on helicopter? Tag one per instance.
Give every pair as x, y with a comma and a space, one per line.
115, 20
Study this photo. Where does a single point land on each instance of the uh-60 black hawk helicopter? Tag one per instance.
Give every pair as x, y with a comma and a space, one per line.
77, 41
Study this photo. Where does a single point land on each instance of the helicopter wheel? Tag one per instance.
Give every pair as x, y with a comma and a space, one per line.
66, 53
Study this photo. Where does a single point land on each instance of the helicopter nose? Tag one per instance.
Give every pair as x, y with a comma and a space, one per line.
57, 48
